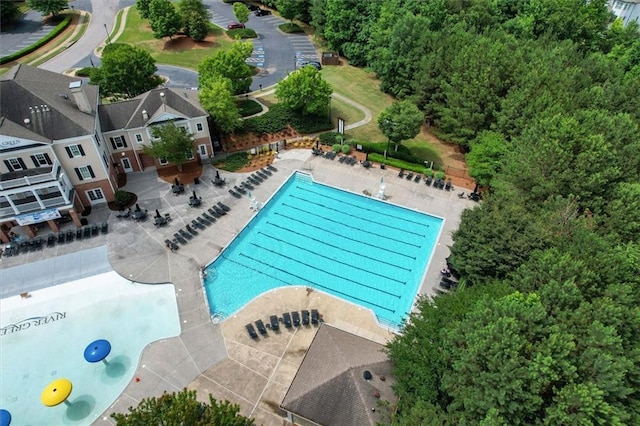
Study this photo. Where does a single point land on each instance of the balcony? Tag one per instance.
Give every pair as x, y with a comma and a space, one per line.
28, 177
30, 204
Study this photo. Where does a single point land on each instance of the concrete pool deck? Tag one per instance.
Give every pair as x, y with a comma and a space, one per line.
220, 358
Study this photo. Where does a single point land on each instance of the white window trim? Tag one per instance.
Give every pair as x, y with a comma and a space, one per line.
15, 164
139, 138
75, 150
84, 171
119, 142
163, 161
199, 127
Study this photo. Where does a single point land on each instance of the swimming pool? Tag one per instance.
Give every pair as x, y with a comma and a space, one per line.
43, 338
361, 249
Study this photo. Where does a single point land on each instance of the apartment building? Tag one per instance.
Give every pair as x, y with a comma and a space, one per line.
61, 150
627, 10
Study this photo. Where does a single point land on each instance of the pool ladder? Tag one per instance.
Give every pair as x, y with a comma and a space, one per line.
304, 177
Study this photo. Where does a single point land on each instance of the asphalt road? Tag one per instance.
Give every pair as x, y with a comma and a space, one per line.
275, 53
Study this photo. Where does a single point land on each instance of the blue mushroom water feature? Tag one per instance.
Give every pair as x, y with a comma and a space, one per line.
97, 351
5, 417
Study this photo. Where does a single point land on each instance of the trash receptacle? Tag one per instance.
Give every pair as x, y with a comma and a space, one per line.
196, 180
84, 221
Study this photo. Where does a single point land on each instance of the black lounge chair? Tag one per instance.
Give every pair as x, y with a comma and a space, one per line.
179, 238
95, 229
341, 159
315, 316
224, 206
234, 193
71, 235
86, 231
417, 178
445, 285
251, 331
273, 319
191, 230
78, 234
409, 176
272, 168
197, 224
305, 317
296, 318
401, 173
219, 210
428, 180
209, 218
171, 245
61, 237
104, 228
261, 327
257, 177
51, 240
37, 243
184, 234
240, 190
448, 186
214, 213
203, 221
247, 186
268, 172
286, 317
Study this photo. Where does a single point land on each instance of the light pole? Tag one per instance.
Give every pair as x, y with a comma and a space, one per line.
107, 31
329, 108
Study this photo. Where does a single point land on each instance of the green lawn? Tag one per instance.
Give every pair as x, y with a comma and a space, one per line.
181, 51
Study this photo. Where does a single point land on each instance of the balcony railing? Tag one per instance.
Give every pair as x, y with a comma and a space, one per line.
34, 206
30, 176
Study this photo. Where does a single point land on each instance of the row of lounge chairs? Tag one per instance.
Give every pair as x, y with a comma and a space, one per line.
38, 243
201, 222
255, 179
348, 159
288, 319
428, 180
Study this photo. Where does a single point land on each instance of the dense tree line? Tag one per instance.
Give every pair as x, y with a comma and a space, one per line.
545, 327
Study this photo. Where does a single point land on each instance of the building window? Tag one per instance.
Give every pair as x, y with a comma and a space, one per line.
74, 151
41, 160
163, 161
199, 127
95, 194
190, 157
85, 172
118, 142
104, 159
139, 138
14, 164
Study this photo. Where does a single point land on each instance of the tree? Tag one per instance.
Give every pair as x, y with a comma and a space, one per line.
172, 143
9, 12
217, 99
143, 8
242, 12
289, 9
185, 6
486, 157
400, 121
126, 71
229, 64
305, 91
195, 25
164, 19
47, 7
182, 408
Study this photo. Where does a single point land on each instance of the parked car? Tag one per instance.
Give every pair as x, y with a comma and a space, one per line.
262, 12
235, 26
315, 64
252, 7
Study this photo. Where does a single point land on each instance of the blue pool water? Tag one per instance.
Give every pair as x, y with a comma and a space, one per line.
358, 248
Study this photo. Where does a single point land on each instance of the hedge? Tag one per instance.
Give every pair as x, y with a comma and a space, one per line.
249, 107
242, 33
290, 28
38, 44
279, 117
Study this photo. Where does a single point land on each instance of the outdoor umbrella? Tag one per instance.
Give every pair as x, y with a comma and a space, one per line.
138, 207
157, 213
194, 195
176, 182
217, 175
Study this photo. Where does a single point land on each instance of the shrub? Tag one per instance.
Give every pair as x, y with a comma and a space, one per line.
242, 33
232, 162
428, 172
84, 72
122, 198
346, 148
336, 147
290, 28
279, 117
249, 107
328, 138
309, 123
440, 175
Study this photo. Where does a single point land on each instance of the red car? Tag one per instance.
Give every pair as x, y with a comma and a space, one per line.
235, 26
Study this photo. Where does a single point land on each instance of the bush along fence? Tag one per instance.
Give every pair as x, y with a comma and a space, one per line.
38, 44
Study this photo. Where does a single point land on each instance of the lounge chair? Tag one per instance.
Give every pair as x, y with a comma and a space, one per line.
209, 218
180, 239
417, 178
272, 168
261, 327
197, 224
51, 240
273, 319
296, 318
341, 159
240, 190
224, 206
95, 229
305, 317
220, 211
184, 234
401, 173
61, 237
234, 193
191, 230
286, 317
71, 235
428, 180
315, 316
78, 234
214, 213
86, 231
37, 243
251, 331
104, 228
257, 177
409, 176
448, 186
266, 170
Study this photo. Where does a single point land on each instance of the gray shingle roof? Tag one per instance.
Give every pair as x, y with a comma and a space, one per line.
23, 92
329, 387
128, 114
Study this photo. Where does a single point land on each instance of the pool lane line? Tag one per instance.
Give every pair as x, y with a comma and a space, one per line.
303, 279
333, 221
307, 189
326, 272
370, 211
317, 254
338, 247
